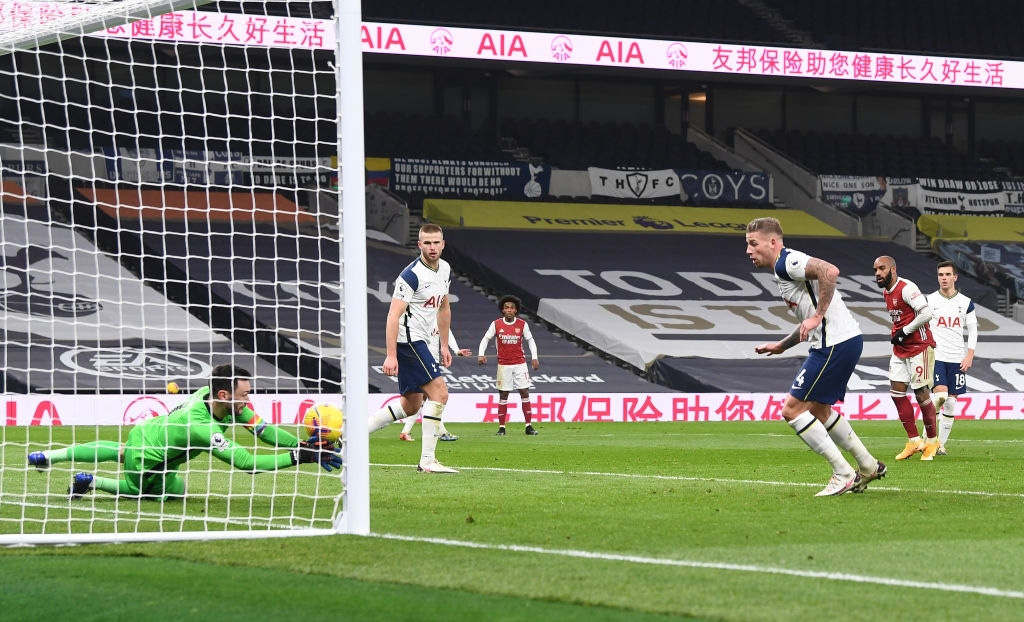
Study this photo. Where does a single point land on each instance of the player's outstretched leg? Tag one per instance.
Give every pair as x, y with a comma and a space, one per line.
96, 451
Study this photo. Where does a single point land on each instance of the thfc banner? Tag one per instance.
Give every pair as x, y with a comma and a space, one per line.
693, 187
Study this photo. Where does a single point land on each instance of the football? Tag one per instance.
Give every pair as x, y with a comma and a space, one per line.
325, 419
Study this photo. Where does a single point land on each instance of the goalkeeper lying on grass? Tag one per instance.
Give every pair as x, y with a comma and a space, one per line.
157, 447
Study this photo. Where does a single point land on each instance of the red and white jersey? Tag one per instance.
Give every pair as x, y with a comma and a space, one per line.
903, 302
510, 337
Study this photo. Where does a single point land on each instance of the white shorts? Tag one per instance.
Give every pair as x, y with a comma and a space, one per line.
513, 377
915, 371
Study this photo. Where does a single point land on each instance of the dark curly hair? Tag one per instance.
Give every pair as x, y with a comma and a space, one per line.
510, 298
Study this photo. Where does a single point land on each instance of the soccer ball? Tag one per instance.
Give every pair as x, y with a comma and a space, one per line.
326, 420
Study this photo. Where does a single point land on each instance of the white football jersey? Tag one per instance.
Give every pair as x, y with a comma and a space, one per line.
801, 295
952, 319
423, 290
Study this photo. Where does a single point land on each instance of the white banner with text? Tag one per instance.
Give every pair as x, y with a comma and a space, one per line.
287, 409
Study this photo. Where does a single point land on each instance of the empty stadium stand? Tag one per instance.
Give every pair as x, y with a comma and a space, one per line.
870, 155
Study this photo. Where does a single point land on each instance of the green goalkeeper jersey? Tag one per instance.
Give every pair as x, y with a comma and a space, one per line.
190, 429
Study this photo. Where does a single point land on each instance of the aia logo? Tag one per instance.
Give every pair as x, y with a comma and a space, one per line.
676, 55
441, 41
561, 48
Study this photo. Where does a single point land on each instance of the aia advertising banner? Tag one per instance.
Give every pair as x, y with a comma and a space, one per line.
578, 407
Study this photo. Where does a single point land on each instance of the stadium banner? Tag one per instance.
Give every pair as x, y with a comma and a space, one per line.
217, 168
856, 195
1013, 197
611, 218
646, 184
538, 47
957, 196
507, 179
962, 227
725, 187
287, 409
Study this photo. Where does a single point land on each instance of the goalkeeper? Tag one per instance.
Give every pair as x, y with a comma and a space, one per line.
156, 448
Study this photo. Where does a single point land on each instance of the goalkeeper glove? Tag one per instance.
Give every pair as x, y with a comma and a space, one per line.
315, 449
899, 337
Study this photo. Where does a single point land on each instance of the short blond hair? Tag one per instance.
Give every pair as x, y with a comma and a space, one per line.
431, 228
767, 224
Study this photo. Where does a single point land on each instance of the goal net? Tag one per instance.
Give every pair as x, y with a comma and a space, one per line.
170, 193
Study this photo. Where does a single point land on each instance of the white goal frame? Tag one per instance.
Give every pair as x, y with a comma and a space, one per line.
353, 515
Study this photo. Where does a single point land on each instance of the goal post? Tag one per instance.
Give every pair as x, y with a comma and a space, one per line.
163, 168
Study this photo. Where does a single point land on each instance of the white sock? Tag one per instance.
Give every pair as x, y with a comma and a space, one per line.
812, 432
386, 416
840, 431
409, 422
431, 421
946, 418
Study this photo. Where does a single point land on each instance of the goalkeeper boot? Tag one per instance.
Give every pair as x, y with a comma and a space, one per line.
433, 466
530, 431
929, 450
81, 484
862, 485
448, 436
838, 485
39, 460
912, 448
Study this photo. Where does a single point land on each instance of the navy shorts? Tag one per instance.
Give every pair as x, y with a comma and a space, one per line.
949, 375
416, 367
826, 372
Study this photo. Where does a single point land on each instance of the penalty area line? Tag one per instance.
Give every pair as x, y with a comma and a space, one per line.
682, 563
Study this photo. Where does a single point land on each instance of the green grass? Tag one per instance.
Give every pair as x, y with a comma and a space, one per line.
588, 521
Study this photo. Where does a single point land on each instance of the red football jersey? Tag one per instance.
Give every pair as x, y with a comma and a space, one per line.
902, 313
509, 341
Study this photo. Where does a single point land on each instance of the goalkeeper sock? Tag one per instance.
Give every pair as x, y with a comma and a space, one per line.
812, 432
431, 420
386, 416
114, 486
840, 431
96, 451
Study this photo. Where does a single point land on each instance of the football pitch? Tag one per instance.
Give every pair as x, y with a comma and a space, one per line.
596, 521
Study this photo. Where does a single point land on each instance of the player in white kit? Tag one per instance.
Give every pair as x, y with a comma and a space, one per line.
419, 307
953, 318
